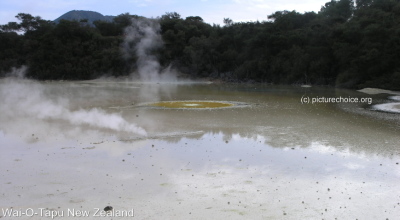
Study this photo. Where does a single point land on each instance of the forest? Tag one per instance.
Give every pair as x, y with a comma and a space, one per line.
347, 44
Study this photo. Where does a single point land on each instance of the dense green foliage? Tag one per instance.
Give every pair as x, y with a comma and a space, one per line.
346, 44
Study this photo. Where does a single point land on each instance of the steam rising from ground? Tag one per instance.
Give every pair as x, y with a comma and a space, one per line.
25, 98
143, 38
18, 72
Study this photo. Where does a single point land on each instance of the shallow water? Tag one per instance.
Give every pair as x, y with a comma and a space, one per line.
93, 144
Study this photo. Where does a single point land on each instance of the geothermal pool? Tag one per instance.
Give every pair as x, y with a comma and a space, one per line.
187, 104
196, 151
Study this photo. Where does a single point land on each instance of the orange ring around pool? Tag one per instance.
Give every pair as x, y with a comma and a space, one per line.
192, 104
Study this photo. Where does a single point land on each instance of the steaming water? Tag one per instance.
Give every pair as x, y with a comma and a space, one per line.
87, 145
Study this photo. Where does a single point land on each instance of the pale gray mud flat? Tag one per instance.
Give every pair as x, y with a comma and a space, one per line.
69, 148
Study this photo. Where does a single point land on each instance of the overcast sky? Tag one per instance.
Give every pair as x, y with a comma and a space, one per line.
212, 11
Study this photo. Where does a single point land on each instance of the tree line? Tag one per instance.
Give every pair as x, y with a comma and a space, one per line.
350, 44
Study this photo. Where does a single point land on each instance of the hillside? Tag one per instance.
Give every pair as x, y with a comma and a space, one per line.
78, 15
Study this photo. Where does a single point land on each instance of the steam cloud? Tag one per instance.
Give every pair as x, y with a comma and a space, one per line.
18, 72
25, 98
142, 38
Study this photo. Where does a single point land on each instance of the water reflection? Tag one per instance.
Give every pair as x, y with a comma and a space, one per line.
208, 174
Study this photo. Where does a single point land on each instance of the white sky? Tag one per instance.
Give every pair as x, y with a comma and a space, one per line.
212, 11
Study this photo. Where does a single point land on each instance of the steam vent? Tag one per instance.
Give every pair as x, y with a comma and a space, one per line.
193, 104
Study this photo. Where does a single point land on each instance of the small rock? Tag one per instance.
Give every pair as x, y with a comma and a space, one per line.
108, 208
